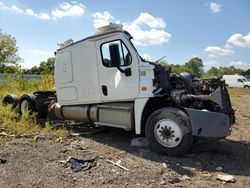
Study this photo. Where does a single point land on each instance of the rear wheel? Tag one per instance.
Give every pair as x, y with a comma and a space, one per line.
27, 104
11, 99
169, 131
246, 87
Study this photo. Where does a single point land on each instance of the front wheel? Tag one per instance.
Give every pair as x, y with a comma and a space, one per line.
169, 131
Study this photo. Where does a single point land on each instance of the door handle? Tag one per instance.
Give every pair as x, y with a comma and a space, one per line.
104, 90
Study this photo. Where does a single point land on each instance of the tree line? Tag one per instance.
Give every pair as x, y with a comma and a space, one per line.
196, 67
10, 63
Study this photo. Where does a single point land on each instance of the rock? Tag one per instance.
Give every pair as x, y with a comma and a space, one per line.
162, 182
64, 150
185, 178
226, 178
164, 165
59, 140
188, 168
139, 142
219, 169
207, 175
78, 145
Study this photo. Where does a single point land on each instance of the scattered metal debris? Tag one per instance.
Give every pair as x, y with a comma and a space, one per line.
79, 165
118, 164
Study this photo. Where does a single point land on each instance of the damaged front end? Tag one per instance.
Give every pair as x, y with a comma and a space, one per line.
206, 101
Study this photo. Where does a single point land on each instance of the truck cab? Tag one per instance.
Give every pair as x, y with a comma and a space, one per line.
102, 81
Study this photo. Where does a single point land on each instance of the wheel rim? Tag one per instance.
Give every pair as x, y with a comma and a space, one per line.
24, 106
168, 133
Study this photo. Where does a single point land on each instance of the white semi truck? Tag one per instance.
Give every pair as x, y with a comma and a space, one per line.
103, 81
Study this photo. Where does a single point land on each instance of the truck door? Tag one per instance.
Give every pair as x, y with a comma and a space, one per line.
115, 85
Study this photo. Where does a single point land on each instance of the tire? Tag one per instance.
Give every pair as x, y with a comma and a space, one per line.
11, 99
27, 104
247, 87
169, 131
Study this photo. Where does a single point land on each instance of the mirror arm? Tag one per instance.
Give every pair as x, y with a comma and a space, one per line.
121, 70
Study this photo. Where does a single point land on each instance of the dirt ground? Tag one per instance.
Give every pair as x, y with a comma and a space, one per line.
36, 163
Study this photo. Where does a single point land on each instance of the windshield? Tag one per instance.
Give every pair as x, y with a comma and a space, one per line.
130, 40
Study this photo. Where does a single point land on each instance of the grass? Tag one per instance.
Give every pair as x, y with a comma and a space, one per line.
240, 101
11, 121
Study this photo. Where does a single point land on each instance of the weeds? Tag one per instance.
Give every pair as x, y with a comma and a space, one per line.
1, 142
10, 120
19, 85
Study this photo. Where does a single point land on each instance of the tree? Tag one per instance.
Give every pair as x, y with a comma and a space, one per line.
196, 66
8, 50
213, 71
230, 70
10, 69
47, 67
176, 68
246, 73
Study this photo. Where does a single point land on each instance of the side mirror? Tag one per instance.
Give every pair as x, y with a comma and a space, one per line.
116, 60
114, 55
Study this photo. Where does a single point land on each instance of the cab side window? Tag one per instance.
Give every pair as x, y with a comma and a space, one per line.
125, 56
239, 80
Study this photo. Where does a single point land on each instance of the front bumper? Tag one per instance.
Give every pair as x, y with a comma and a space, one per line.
209, 124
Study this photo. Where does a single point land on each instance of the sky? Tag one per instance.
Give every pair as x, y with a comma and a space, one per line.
216, 31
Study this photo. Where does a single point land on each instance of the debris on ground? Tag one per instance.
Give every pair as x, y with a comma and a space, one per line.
79, 129
32, 135
7, 135
139, 142
79, 165
118, 164
2, 161
219, 169
225, 178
